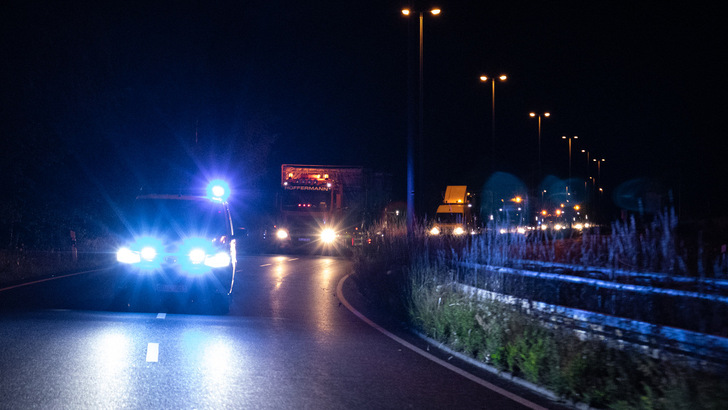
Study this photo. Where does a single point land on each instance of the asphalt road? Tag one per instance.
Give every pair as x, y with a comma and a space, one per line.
289, 342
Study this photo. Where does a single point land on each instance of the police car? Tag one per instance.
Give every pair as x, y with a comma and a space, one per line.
180, 246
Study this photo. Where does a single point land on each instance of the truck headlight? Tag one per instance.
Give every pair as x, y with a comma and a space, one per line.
435, 231
328, 235
458, 231
282, 234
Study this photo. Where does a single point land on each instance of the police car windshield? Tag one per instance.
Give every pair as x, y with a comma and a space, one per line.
179, 217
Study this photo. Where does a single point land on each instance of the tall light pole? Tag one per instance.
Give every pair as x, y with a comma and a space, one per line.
410, 139
599, 190
534, 115
587, 191
568, 182
484, 79
599, 168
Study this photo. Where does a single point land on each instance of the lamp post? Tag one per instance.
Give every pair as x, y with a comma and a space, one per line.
568, 182
586, 180
599, 168
534, 115
410, 139
484, 79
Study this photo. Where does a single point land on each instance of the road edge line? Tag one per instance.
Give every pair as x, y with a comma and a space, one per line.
449, 366
20, 285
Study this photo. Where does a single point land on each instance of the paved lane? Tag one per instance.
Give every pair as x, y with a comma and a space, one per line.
288, 342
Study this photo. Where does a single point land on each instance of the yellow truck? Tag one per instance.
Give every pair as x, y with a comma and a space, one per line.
453, 216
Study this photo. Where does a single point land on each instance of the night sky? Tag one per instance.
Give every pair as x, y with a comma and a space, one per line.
116, 95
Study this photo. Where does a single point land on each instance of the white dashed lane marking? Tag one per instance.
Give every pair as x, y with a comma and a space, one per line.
152, 352
161, 315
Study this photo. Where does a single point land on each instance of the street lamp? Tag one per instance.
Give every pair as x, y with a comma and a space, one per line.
586, 180
569, 180
599, 168
410, 135
534, 115
485, 79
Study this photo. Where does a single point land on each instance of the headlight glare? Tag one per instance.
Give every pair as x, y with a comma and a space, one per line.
126, 255
197, 256
148, 253
328, 235
219, 260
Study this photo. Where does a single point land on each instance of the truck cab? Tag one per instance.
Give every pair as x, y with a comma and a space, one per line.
453, 216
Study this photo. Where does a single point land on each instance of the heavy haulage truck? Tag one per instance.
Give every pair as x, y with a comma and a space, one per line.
327, 207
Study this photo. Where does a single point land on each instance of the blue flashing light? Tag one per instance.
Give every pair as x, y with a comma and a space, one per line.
218, 190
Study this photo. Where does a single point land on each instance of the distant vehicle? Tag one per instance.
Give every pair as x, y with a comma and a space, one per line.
454, 215
564, 218
326, 207
511, 217
181, 245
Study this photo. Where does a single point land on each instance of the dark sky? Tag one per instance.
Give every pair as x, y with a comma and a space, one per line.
135, 90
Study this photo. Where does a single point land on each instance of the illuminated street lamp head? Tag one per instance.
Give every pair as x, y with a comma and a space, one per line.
532, 114
501, 77
435, 11
547, 114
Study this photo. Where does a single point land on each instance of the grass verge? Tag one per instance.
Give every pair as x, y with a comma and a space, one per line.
412, 278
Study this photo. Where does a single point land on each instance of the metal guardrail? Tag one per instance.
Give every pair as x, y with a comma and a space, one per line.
658, 340
706, 285
606, 284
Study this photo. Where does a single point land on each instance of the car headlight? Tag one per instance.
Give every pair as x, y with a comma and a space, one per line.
282, 234
126, 255
148, 253
218, 260
197, 256
328, 235
145, 251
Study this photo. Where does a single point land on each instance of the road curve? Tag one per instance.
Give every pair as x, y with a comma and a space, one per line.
291, 340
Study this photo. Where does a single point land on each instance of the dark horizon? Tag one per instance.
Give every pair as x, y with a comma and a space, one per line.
111, 96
